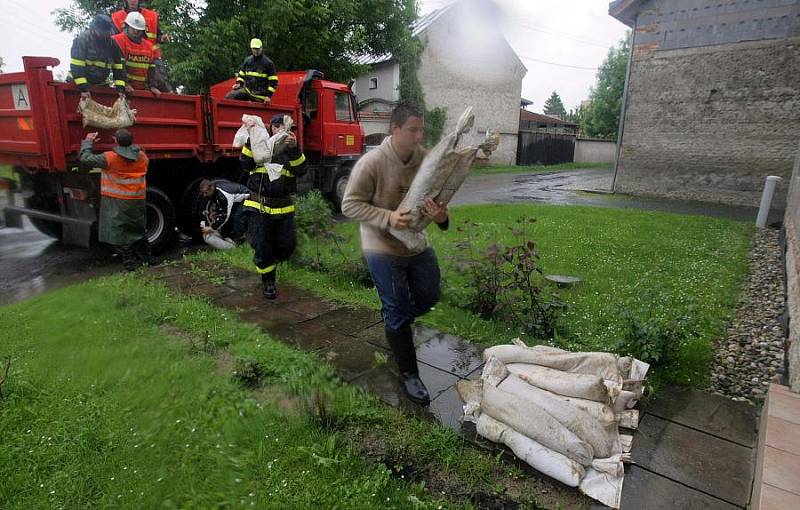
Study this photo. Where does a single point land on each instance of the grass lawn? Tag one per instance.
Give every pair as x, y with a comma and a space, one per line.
121, 395
656, 265
514, 169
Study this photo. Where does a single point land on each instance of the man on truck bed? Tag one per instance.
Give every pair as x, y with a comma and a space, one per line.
138, 53
123, 190
94, 55
271, 230
153, 30
257, 80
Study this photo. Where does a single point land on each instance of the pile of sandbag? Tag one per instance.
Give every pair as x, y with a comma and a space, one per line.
117, 116
263, 146
440, 175
560, 412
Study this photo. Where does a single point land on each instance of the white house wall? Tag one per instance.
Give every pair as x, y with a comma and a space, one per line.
388, 76
464, 65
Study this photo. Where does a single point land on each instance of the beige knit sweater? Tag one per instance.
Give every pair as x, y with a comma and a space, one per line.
377, 185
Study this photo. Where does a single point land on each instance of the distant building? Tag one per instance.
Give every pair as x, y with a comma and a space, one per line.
465, 62
713, 102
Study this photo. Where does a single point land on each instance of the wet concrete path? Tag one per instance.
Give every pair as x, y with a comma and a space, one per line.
590, 187
692, 450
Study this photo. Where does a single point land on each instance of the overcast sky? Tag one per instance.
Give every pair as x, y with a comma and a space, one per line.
574, 34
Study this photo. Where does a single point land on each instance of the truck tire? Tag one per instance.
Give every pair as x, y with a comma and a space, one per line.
339, 185
48, 228
160, 220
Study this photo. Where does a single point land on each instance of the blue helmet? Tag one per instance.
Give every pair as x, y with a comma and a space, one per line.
102, 23
276, 119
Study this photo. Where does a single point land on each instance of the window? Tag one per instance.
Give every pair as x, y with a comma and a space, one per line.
343, 110
311, 104
373, 83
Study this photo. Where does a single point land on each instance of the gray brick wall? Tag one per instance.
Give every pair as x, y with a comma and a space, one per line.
709, 123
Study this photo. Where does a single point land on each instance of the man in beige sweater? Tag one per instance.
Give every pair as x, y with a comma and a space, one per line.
407, 282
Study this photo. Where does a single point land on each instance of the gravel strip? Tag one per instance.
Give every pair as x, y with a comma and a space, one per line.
752, 353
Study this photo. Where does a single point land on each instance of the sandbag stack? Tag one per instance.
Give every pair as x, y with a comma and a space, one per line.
560, 412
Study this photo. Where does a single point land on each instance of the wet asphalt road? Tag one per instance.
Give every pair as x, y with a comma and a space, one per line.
31, 263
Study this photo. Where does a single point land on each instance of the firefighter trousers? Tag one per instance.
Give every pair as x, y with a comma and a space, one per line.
273, 238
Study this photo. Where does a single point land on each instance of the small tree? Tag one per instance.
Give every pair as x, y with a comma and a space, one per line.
601, 118
554, 106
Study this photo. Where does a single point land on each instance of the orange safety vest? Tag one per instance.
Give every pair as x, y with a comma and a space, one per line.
150, 22
138, 59
123, 178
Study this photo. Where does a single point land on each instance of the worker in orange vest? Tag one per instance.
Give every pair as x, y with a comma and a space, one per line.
153, 30
138, 54
123, 193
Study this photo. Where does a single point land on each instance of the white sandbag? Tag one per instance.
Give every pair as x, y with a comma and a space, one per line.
603, 481
240, 138
526, 417
625, 400
629, 419
538, 456
217, 241
603, 364
585, 386
259, 138
117, 116
603, 437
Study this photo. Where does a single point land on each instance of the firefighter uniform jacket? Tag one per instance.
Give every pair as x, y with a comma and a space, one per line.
138, 58
258, 76
273, 197
91, 59
152, 31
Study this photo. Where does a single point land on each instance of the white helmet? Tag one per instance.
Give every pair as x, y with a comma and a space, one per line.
135, 20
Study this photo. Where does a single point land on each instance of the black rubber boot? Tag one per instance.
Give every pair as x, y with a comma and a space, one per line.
142, 250
270, 290
402, 344
129, 260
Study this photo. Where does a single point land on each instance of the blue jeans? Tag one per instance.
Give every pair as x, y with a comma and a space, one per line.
407, 286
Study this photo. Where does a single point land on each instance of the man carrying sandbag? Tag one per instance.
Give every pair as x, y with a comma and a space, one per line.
94, 55
257, 79
123, 193
407, 281
271, 229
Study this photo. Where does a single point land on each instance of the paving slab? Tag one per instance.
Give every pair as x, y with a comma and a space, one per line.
310, 307
351, 321
244, 300
384, 382
644, 490
705, 412
353, 358
271, 318
782, 470
212, 291
309, 335
708, 464
375, 335
451, 354
448, 409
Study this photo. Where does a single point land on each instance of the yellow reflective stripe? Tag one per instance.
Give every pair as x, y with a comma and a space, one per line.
271, 89
268, 210
104, 188
119, 83
150, 35
298, 161
253, 73
266, 270
137, 78
118, 66
76, 62
247, 152
81, 81
273, 77
286, 173
254, 95
258, 170
241, 73
139, 65
156, 47
97, 63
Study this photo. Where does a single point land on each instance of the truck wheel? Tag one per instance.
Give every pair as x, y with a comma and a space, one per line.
160, 220
48, 228
339, 185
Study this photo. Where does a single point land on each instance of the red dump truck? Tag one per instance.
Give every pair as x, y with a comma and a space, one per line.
186, 137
